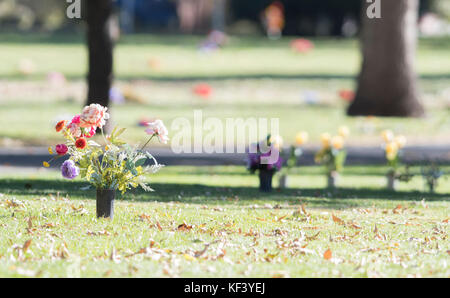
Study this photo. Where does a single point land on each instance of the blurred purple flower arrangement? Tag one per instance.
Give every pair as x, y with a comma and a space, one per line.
266, 170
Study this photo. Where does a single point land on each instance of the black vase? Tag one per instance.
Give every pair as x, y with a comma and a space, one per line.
105, 202
265, 180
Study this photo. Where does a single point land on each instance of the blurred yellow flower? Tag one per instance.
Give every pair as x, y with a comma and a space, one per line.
276, 141
392, 148
344, 131
50, 150
325, 138
106, 148
401, 141
337, 142
301, 138
46, 164
391, 156
387, 135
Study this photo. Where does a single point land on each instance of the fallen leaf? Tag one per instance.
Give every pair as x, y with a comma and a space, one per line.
337, 220
49, 225
304, 209
397, 209
355, 226
327, 254
309, 238
184, 227
281, 218
26, 245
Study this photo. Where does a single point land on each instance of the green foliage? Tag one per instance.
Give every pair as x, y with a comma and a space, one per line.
333, 159
396, 170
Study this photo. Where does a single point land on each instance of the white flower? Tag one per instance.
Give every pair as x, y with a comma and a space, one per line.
94, 115
157, 128
74, 130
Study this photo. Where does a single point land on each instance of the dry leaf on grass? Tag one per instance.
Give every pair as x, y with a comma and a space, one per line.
184, 227
337, 220
26, 245
397, 209
327, 254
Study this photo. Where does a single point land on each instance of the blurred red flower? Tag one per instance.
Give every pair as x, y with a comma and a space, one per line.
301, 45
202, 90
347, 95
60, 125
81, 143
61, 149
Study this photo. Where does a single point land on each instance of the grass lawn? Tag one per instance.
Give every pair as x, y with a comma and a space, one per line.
251, 77
212, 221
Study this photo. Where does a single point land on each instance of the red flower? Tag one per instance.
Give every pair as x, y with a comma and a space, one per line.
347, 95
60, 125
302, 45
202, 90
61, 149
81, 143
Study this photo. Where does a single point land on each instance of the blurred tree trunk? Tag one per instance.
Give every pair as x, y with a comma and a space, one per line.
387, 84
195, 15
219, 15
100, 47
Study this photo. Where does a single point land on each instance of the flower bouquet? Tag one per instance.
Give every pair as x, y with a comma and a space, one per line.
431, 174
111, 167
333, 154
393, 149
261, 160
291, 156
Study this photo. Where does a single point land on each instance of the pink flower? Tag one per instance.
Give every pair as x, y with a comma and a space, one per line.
76, 119
74, 130
93, 115
157, 128
91, 133
61, 149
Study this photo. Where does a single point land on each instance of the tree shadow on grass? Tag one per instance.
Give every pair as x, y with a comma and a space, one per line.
204, 194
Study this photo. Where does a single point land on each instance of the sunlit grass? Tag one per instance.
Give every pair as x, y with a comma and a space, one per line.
251, 78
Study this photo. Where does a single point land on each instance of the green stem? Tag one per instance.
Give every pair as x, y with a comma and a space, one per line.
142, 148
99, 166
147, 142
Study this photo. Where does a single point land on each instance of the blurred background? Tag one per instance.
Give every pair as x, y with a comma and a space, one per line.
295, 60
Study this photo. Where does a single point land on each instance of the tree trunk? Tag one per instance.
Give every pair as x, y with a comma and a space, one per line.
195, 15
218, 15
100, 51
387, 84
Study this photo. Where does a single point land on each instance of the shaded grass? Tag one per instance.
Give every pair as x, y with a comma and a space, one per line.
245, 233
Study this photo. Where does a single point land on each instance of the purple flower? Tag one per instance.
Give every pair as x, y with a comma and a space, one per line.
254, 160
69, 170
277, 164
